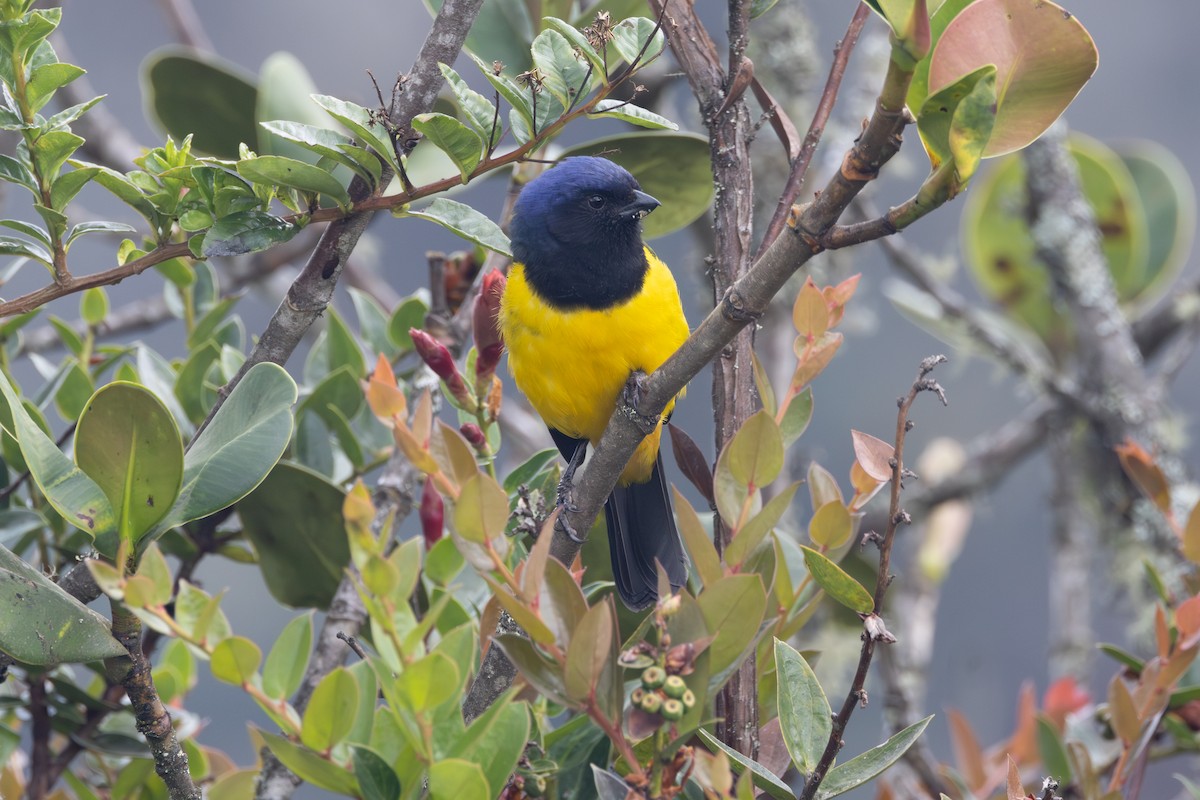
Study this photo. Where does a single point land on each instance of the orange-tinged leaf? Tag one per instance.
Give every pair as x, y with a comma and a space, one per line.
813, 358
1064, 696
489, 618
866, 487
590, 652
422, 418
837, 296
762, 382
874, 454
968, 755
1023, 744
1162, 632
1141, 469
386, 401
1191, 536
535, 565
357, 508
1122, 713
830, 525
1187, 620
453, 454
414, 450
1014, 788
810, 315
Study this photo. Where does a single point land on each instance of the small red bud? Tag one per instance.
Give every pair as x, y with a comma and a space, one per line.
474, 434
438, 358
432, 513
489, 342
433, 353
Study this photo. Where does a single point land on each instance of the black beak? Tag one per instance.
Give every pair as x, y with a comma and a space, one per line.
642, 205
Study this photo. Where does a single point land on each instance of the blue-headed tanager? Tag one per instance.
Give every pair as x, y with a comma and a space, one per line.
586, 305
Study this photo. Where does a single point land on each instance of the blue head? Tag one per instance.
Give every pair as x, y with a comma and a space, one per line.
577, 229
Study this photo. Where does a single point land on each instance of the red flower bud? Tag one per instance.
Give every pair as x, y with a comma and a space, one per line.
489, 343
474, 434
432, 513
438, 358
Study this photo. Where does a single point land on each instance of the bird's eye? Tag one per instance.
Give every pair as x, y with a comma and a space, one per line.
596, 201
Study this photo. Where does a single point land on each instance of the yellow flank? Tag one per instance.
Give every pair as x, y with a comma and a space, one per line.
573, 364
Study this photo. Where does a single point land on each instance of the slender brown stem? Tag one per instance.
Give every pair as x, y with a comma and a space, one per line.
795, 181
874, 629
39, 754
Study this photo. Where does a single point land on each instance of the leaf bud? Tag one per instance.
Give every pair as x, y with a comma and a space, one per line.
432, 513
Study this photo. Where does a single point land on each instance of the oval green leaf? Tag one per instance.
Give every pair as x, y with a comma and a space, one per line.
756, 451
866, 766
805, 719
128, 443
465, 221
193, 93
43, 625
837, 583
235, 660
331, 711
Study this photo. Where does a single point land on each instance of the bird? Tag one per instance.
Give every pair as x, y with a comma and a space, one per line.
587, 304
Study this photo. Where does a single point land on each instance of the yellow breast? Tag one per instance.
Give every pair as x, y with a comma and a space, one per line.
572, 365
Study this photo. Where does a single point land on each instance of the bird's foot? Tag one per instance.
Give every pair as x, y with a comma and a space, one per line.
569, 530
631, 397
567, 482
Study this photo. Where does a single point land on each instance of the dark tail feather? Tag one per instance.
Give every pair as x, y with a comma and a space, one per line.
641, 531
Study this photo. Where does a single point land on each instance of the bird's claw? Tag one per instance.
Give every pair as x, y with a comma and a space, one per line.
631, 397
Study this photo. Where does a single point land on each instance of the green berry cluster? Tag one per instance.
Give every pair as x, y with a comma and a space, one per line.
663, 694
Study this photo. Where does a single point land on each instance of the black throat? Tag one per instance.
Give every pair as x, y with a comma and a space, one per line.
569, 277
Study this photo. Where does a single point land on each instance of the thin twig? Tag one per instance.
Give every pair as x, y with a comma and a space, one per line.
874, 629
795, 181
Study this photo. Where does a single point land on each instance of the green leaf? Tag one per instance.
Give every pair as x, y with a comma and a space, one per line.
755, 453
247, 232
409, 314
294, 520
831, 525
638, 38
466, 222
481, 511
75, 496
565, 77
14, 171
97, 227
763, 778
865, 767
674, 168
453, 138
577, 41
747, 539
47, 79
635, 115
376, 778
480, 113
311, 767
19, 247
281, 171
796, 418
362, 123
194, 93
51, 150
516, 96
542, 674
343, 350
698, 540
1053, 752
590, 652
456, 779
68, 184
235, 660
239, 447
496, 741
331, 711
43, 625
327, 144
127, 442
805, 718
957, 121
1042, 53
288, 659
1169, 201
733, 609
837, 582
